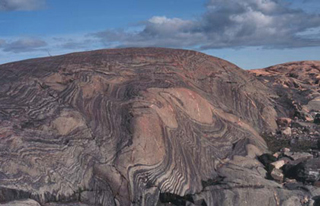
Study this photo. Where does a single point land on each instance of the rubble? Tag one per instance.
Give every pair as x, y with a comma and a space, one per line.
298, 155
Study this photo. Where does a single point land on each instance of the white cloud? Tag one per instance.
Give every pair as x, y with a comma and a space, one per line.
23, 45
167, 21
225, 24
21, 5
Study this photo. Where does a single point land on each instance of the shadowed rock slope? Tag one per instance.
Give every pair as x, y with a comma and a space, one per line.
135, 127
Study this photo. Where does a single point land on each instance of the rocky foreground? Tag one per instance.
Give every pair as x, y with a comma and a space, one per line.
157, 127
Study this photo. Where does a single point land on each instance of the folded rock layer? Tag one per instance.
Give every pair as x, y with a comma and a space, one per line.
130, 126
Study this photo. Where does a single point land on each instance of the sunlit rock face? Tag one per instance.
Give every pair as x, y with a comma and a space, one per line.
125, 126
295, 83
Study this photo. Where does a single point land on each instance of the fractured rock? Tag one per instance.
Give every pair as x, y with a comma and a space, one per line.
306, 171
278, 164
298, 155
277, 175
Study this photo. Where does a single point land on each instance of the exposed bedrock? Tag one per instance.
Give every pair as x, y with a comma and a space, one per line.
134, 127
296, 85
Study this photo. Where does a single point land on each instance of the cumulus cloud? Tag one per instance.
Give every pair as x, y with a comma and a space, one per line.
2, 42
225, 24
23, 45
73, 42
158, 30
21, 5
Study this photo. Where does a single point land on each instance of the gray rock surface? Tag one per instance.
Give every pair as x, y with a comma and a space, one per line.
136, 127
27, 202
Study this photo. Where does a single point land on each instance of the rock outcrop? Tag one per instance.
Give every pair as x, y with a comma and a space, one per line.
296, 100
297, 87
136, 127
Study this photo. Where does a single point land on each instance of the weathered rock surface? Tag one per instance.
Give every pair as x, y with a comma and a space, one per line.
136, 127
297, 87
306, 171
296, 100
278, 164
22, 203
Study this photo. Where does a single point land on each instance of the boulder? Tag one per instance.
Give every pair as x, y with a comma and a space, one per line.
278, 164
286, 131
266, 159
298, 155
277, 154
285, 150
307, 171
317, 119
277, 175
309, 118
284, 122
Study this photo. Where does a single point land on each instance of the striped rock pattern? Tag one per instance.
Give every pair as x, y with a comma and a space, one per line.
123, 126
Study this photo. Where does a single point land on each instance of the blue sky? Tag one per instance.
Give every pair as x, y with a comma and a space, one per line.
249, 33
